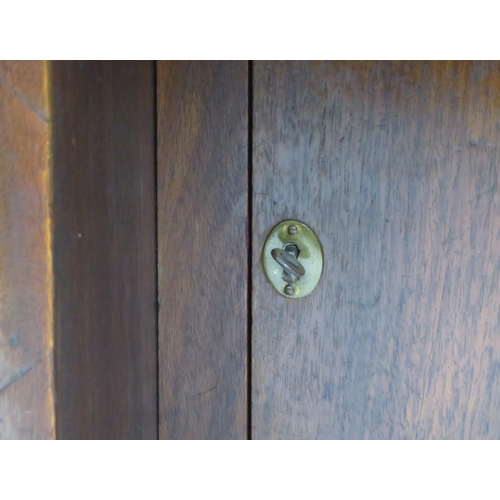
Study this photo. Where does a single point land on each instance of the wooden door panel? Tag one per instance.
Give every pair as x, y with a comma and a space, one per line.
202, 249
395, 166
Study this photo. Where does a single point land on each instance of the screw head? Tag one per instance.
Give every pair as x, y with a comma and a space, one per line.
289, 289
292, 230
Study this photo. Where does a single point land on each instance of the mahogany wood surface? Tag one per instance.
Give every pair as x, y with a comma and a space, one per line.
203, 249
104, 211
26, 333
395, 166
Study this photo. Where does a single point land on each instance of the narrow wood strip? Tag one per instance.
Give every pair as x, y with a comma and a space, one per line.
104, 249
202, 237
26, 333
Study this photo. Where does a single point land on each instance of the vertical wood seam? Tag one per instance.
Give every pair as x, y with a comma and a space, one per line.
157, 261
250, 248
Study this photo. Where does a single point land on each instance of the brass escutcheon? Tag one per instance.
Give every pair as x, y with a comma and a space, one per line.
293, 259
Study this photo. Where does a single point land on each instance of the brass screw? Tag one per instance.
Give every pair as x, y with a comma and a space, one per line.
289, 290
292, 230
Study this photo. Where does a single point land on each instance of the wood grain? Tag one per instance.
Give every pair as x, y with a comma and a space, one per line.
395, 166
26, 334
27, 80
104, 249
202, 238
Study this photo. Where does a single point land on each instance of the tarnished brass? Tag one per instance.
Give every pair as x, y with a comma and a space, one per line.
293, 276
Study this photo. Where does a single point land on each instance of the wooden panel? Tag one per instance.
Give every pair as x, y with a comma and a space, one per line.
202, 249
395, 166
26, 336
104, 249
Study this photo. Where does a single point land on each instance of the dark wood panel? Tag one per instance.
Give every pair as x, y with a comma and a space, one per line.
395, 166
104, 249
26, 334
202, 249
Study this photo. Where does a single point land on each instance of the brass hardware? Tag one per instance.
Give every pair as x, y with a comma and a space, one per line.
293, 259
288, 260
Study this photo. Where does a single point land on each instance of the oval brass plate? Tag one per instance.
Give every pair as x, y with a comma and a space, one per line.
310, 256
